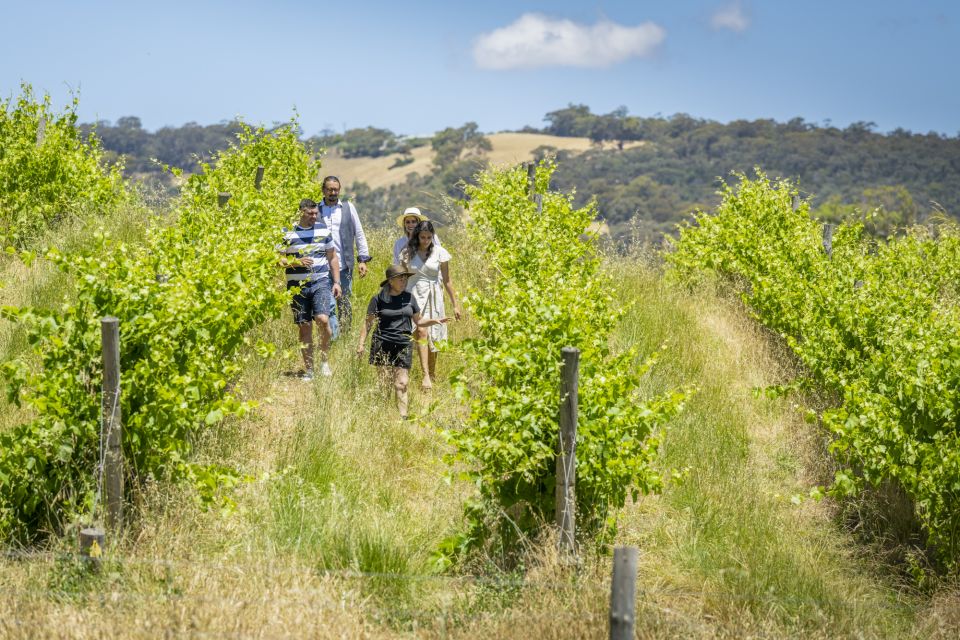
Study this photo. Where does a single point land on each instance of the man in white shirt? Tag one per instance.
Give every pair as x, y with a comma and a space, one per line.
344, 223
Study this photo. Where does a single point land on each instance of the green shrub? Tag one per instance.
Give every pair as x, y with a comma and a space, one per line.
545, 291
48, 171
186, 300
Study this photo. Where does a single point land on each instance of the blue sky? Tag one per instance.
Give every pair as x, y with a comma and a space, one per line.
418, 68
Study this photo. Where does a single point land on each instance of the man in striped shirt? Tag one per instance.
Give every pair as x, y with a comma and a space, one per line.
310, 260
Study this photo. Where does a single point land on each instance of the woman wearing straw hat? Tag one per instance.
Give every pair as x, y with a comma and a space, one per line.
396, 313
408, 222
430, 264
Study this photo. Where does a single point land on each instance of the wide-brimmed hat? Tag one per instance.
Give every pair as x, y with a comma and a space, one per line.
395, 270
411, 212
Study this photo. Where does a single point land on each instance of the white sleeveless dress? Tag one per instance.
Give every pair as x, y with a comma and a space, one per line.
426, 285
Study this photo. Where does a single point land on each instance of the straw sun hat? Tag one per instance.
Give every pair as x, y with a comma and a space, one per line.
411, 212
395, 270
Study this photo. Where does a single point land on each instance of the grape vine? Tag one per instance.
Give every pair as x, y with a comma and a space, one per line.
877, 324
186, 301
545, 291
47, 170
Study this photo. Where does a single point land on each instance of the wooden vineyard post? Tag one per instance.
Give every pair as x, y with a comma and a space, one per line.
41, 131
92, 543
532, 178
623, 589
828, 239
222, 199
258, 182
113, 456
566, 472
795, 202
538, 199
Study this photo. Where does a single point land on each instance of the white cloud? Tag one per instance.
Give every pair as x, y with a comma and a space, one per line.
535, 40
730, 17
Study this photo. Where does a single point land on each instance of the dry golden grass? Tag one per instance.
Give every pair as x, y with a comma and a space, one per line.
508, 148
163, 600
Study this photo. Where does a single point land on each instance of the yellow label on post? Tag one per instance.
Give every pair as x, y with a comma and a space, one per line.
95, 551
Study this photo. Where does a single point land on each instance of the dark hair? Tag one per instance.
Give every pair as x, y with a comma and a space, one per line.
307, 203
413, 245
331, 179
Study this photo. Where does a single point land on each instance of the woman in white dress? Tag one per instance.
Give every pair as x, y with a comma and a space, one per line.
429, 263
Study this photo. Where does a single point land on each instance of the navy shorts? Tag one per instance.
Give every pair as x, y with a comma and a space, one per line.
313, 300
391, 354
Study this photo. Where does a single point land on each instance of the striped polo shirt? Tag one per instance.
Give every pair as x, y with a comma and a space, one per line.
310, 242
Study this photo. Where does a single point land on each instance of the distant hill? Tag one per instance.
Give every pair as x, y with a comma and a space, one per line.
384, 171
647, 174
899, 178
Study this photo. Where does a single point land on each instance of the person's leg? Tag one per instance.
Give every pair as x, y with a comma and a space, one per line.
344, 305
401, 378
432, 362
306, 344
300, 305
423, 354
381, 360
323, 324
333, 319
385, 382
321, 303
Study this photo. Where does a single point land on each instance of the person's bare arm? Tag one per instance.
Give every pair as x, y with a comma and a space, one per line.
286, 260
361, 242
448, 285
420, 321
364, 330
334, 272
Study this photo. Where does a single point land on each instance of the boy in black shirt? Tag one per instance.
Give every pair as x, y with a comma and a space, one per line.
396, 312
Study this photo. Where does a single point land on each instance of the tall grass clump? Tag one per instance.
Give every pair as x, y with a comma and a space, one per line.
48, 171
544, 291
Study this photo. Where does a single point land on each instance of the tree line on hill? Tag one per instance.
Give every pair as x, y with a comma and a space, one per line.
899, 177
145, 152
907, 176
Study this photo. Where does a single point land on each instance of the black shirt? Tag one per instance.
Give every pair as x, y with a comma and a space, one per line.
394, 316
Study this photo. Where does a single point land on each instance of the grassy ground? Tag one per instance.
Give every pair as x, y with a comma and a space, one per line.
333, 533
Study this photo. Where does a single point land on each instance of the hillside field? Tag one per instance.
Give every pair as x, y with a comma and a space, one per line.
508, 148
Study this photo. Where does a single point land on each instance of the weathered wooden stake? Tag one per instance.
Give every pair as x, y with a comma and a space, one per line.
623, 590
41, 131
795, 202
258, 183
566, 500
222, 199
539, 200
92, 544
113, 456
532, 177
828, 239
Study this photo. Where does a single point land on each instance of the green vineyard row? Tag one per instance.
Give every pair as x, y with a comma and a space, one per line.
186, 300
877, 325
545, 290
